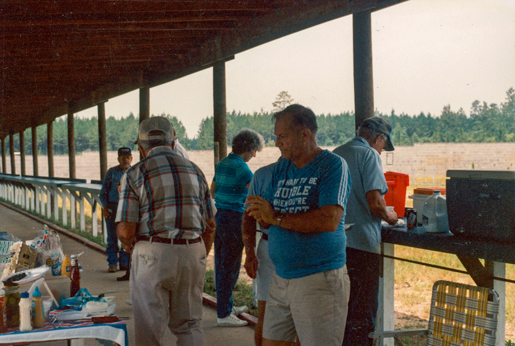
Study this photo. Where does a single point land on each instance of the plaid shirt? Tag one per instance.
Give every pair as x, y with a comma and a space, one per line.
165, 192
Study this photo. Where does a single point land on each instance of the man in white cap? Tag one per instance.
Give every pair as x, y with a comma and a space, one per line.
166, 218
365, 209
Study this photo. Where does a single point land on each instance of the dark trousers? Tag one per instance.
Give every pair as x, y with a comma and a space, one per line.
113, 251
228, 251
364, 271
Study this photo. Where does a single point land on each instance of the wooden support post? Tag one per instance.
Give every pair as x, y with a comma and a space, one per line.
363, 72
219, 108
102, 139
71, 146
13, 158
4, 160
144, 106
480, 274
385, 311
50, 147
22, 153
499, 271
35, 151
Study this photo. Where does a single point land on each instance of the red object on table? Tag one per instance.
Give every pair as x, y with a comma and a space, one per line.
396, 195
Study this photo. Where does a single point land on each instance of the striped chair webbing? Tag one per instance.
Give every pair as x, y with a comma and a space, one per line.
462, 315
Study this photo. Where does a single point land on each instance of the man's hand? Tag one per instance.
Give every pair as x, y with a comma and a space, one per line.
251, 265
106, 213
126, 232
261, 210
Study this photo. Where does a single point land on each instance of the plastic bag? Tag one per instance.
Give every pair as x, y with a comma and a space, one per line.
50, 251
80, 299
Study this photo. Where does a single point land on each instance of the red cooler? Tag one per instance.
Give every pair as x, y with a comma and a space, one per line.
396, 195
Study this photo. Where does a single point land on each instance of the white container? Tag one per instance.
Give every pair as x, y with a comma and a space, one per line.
25, 306
434, 214
418, 205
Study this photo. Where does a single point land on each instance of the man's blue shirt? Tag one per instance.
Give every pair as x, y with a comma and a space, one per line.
260, 182
324, 181
232, 175
109, 191
367, 174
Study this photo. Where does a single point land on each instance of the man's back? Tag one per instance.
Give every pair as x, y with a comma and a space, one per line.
169, 190
366, 172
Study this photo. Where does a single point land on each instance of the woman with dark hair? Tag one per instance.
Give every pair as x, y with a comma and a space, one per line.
229, 189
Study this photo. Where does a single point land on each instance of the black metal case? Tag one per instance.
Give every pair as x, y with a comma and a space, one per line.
481, 204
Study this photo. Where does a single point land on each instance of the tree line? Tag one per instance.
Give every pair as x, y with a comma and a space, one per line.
486, 123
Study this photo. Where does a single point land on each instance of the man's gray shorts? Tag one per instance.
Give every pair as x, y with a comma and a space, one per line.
313, 307
265, 270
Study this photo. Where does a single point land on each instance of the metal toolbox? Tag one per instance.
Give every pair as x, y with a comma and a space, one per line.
481, 204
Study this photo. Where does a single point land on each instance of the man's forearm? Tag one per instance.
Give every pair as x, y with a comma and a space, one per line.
208, 235
324, 219
249, 233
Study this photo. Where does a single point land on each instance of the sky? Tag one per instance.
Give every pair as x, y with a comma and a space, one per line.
426, 54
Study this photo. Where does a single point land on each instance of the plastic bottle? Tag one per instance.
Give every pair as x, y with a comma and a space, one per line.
66, 266
3, 312
25, 306
39, 318
74, 276
434, 214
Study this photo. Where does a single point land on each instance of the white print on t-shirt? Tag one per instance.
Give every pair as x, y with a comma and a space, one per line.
290, 197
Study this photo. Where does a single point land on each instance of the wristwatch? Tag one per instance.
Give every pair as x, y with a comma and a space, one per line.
278, 220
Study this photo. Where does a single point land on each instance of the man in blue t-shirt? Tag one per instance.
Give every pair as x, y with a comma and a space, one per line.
305, 209
366, 209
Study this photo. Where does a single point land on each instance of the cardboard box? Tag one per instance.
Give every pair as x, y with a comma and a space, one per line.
21, 257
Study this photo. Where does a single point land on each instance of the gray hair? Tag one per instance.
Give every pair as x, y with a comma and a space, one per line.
247, 140
369, 134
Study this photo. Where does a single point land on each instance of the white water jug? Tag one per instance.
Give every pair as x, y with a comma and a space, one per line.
434, 214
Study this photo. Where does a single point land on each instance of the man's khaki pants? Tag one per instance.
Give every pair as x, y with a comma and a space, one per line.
166, 290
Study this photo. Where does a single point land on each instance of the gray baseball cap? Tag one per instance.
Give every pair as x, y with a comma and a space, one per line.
156, 128
382, 126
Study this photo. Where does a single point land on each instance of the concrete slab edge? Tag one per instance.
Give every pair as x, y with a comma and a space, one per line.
206, 298
59, 229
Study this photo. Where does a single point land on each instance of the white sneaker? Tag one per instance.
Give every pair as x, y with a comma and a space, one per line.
230, 321
236, 310
128, 302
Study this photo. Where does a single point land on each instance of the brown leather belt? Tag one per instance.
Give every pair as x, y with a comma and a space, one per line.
157, 239
264, 236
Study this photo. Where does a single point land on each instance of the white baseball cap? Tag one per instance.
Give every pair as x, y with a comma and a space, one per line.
156, 128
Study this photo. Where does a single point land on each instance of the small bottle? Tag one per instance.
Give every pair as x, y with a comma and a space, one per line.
66, 266
25, 306
39, 318
74, 276
3, 312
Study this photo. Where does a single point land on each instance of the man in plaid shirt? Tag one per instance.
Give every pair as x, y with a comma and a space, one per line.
166, 218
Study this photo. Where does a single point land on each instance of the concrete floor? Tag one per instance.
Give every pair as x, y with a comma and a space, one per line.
95, 278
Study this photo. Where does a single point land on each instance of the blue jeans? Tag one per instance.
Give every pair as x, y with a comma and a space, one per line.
113, 252
228, 251
364, 270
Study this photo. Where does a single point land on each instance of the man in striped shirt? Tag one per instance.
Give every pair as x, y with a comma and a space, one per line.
166, 218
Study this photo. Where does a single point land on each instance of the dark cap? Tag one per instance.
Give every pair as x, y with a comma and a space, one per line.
382, 126
124, 151
156, 128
